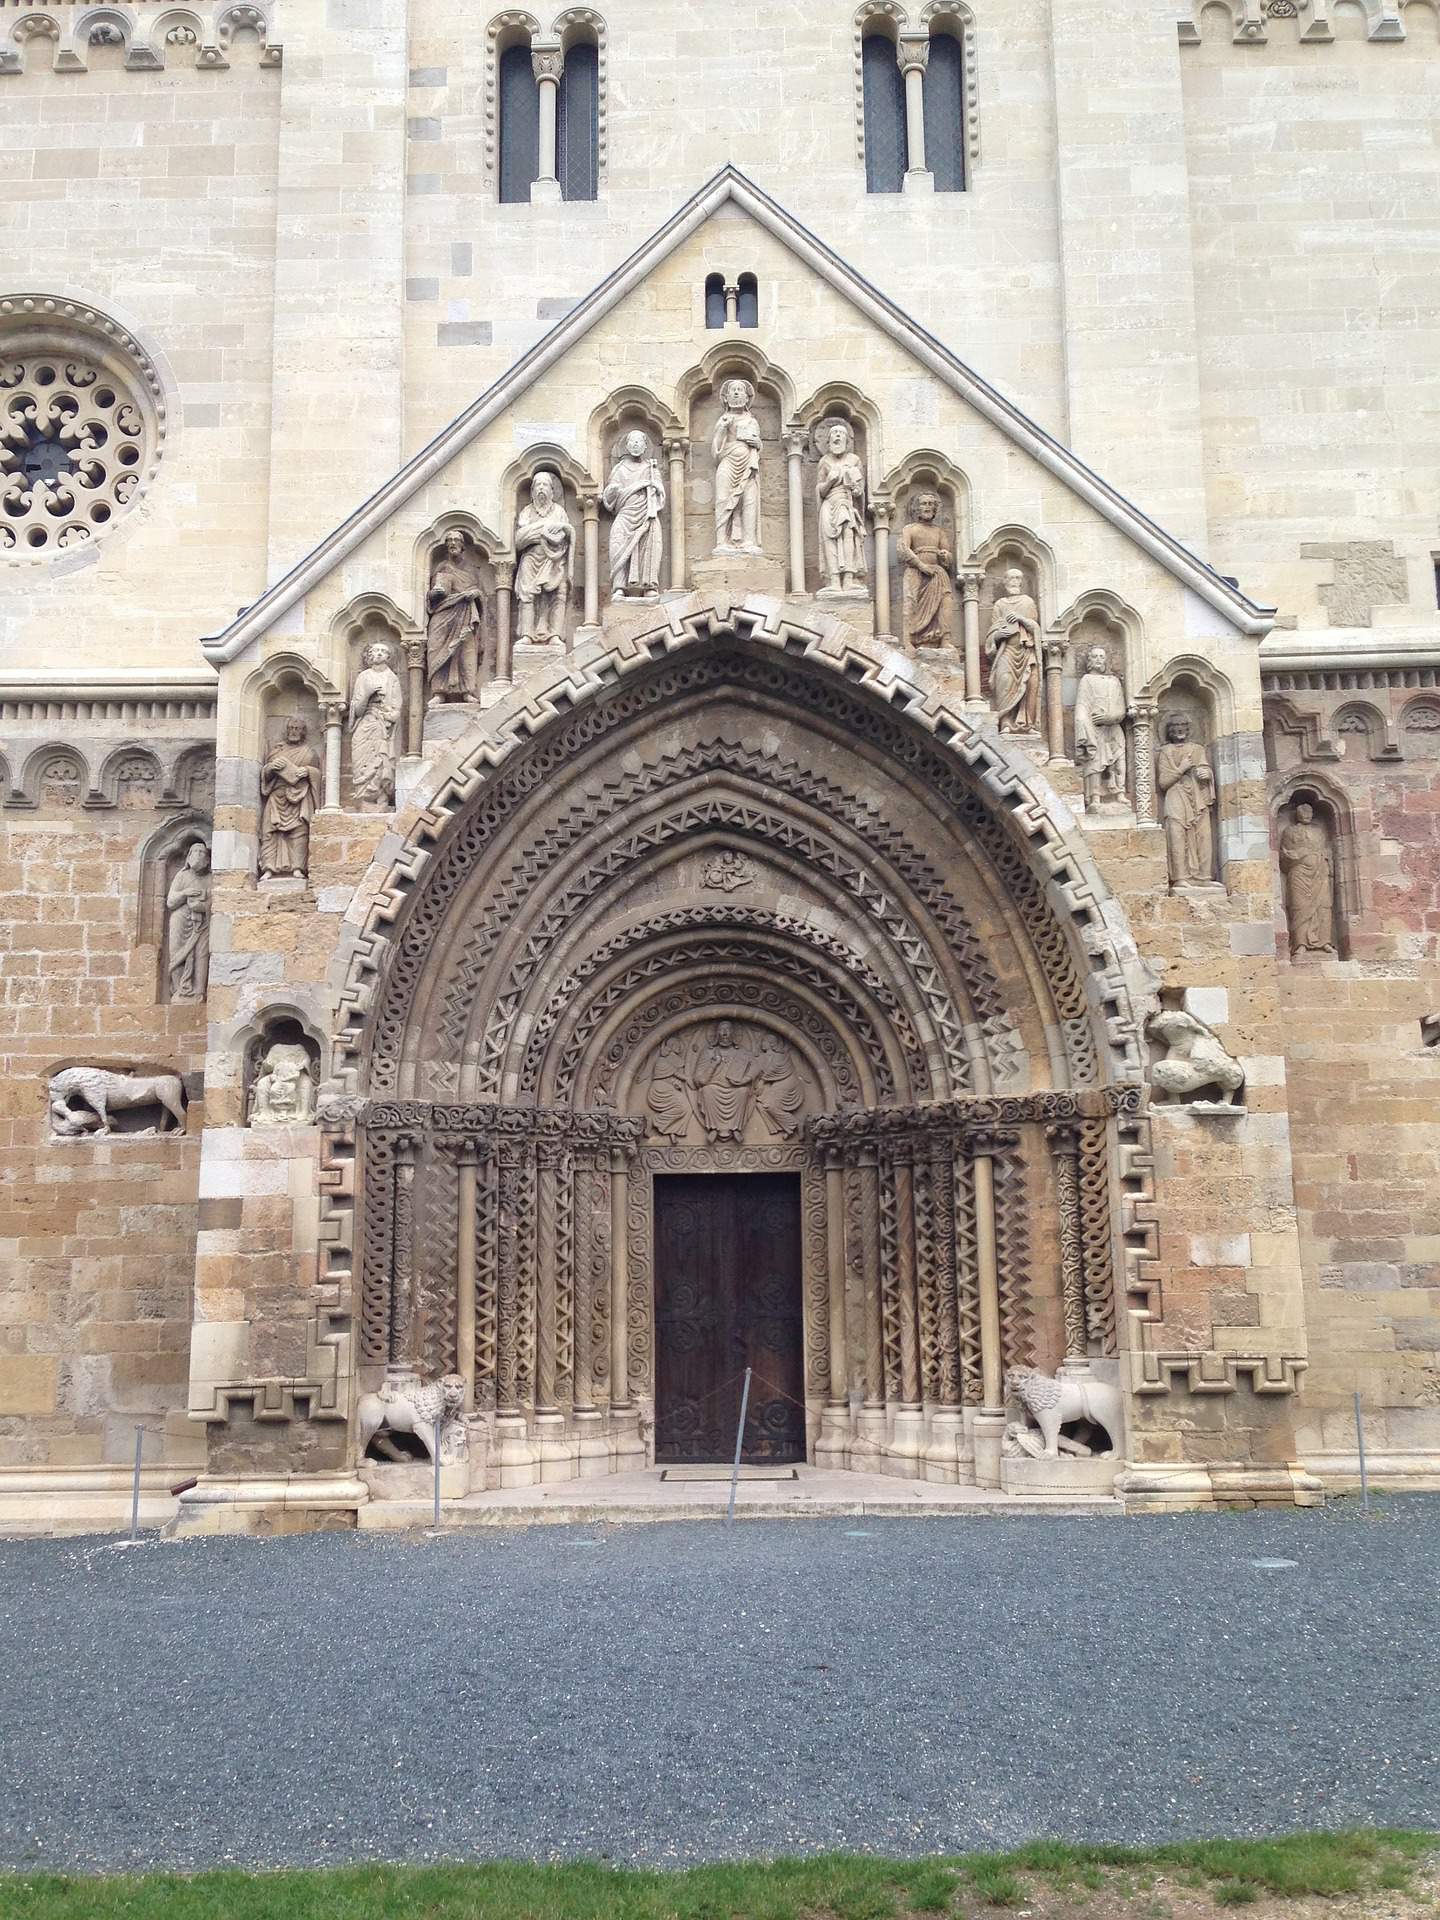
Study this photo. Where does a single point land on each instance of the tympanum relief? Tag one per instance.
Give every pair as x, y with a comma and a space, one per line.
290, 782
927, 588
1100, 711
840, 502
376, 703
455, 607
545, 564
635, 496
728, 870
730, 1084
735, 445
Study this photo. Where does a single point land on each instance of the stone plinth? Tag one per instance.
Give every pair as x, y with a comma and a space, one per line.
1068, 1473
731, 576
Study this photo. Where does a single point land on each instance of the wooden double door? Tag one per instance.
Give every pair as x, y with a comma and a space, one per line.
728, 1297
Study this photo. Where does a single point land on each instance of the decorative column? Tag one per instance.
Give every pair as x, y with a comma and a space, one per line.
1064, 1144
592, 1450
947, 1422
908, 1439
870, 1425
547, 59
590, 514
1055, 646
971, 579
630, 1450
553, 1448
832, 1443
402, 1257
990, 1421
414, 694
467, 1198
795, 438
880, 509
514, 1452
732, 306
334, 712
1142, 747
676, 448
504, 642
913, 52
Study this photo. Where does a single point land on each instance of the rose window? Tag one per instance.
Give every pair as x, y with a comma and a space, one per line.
80, 428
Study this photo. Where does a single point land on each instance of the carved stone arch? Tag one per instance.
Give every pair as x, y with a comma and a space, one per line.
548, 457
368, 611
1350, 828
627, 406
239, 18
101, 26
128, 770
1418, 727
283, 676
1010, 545
173, 31
926, 470
192, 779
1363, 717
4, 779
871, 16
488, 545
1207, 681
1059, 894
728, 359
31, 30
512, 27
1284, 720
955, 16
842, 400
51, 773
581, 25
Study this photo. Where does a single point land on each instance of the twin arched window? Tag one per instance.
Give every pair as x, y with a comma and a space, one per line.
924, 133
553, 142
740, 303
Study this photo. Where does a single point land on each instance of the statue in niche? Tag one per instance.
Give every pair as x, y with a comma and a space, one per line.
545, 564
1307, 866
735, 445
455, 605
928, 589
375, 706
1100, 709
635, 495
1183, 775
284, 1091
289, 794
668, 1101
1016, 665
779, 1090
187, 925
840, 499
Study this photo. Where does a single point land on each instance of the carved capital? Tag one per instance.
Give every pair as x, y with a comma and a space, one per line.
987, 1143
547, 59
504, 575
334, 711
414, 645
1063, 1140
912, 50
677, 445
1055, 648
589, 506
795, 442
881, 509
971, 580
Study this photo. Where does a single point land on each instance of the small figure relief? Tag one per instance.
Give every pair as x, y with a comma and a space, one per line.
1307, 867
728, 871
1195, 1063
187, 925
455, 607
406, 1405
545, 564
1183, 775
1100, 709
289, 795
1014, 651
375, 706
82, 1100
284, 1091
635, 496
840, 499
735, 445
737, 1086
1051, 1402
928, 589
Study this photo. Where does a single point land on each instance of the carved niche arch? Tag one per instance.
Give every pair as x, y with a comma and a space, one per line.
724, 823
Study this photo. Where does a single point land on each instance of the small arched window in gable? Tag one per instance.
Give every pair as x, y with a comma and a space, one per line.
945, 112
519, 123
884, 96
577, 123
714, 301
748, 311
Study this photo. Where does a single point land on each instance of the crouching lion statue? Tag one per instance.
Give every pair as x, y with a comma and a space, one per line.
406, 1404
1195, 1061
1052, 1401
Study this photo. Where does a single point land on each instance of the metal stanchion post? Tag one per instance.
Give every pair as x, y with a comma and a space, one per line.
1360, 1449
739, 1442
135, 1488
437, 1477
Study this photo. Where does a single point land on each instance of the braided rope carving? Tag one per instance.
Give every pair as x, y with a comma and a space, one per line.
1093, 1168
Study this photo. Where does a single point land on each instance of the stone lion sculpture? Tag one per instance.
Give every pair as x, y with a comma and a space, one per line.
407, 1404
1194, 1060
1052, 1400
98, 1089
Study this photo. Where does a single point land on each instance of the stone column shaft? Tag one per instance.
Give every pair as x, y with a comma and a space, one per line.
468, 1184
1064, 1145
545, 1282
988, 1273
795, 475
590, 515
619, 1282
732, 306
970, 580
1142, 747
675, 451
835, 1261
547, 59
1055, 698
414, 694
334, 738
913, 52
504, 641
882, 571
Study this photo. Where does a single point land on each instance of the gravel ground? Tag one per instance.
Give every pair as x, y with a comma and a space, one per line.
675, 1693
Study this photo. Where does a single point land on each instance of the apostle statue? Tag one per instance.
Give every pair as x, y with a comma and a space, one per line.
840, 498
735, 444
284, 1091
1013, 648
929, 591
289, 795
1183, 775
635, 495
1307, 867
375, 704
545, 563
455, 604
1100, 709
187, 925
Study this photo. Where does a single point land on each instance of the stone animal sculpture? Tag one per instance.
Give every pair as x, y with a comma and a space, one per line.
407, 1404
1053, 1400
98, 1090
1194, 1060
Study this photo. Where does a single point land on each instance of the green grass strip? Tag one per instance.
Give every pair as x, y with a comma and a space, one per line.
829, 1887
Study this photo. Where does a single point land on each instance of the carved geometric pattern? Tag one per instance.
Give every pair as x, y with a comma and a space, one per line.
927, 1275
582, 1332
947, 1332
377, 1246
546, 1197
1093, 1166
725, 947
1139, 1222
486, 1251
890, 1279
1063, 1143
1012, 1257
855, 1264
967, 1285
402, 1258
488, 798
565, 1276
600, 1235
1212, 1372
525, 1269
817, 1284
905, 1277
435, 1277
639, 1286
507, 1288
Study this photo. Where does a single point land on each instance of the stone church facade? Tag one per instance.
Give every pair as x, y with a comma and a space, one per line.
683, 694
